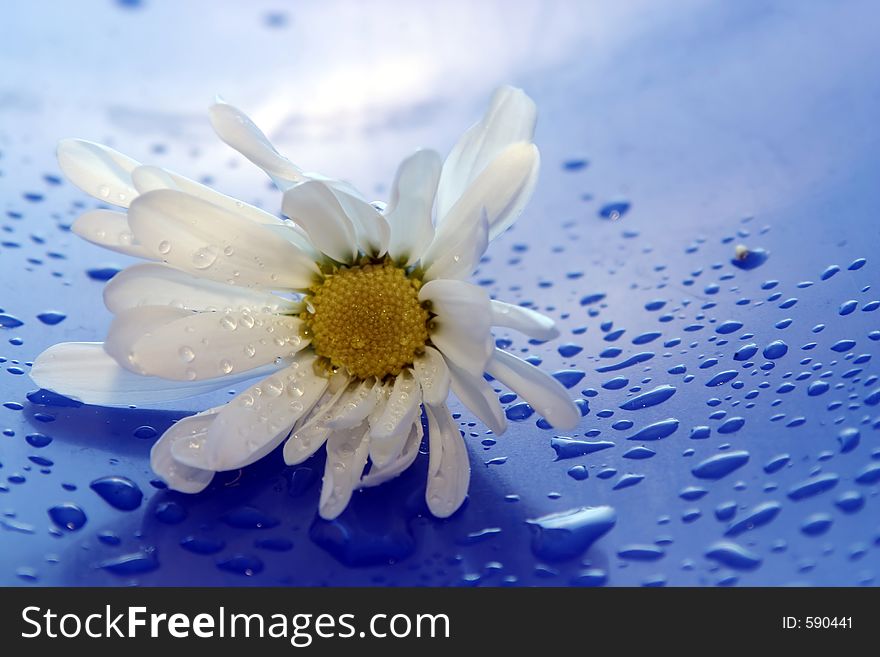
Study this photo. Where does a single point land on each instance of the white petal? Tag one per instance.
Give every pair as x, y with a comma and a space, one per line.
110, 230
546, 395
433, 376
410, 205
208, 241
154, 284
146, 178
449, 469
132, 325
460, 253
311, 434
405, 459
355, 405
501, 191
524, 320
346, 457
150, 178
98, 170
292, 233
184, 346
259, 419
510, 118
475, 393
389, 431
178, 476
85, 372
314, 207
190, 435
461, 329
236, 129
371, 228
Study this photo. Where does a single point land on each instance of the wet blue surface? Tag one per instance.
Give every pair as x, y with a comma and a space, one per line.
705, 230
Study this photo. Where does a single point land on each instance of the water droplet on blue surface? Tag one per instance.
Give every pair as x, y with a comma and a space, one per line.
720, 465
568, 534
119, 492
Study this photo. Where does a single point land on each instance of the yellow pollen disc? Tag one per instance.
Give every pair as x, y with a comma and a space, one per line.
367, 319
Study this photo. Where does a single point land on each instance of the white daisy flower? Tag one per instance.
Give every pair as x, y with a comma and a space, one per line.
355, 318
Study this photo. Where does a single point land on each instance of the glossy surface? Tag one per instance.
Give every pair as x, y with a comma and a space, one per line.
730, 395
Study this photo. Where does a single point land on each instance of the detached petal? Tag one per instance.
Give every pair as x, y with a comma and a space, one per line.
410, 206
527, 321
510, 118
98, 170
542, 391
85, 372
259, 419
314, 207
236, 129
346, 457
203, 239
154, 284
449, 469
109, 229
185, 346
461, 329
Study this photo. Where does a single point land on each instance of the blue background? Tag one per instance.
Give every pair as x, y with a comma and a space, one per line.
670, 133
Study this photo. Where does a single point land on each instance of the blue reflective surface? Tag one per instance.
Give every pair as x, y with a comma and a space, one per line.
705, 231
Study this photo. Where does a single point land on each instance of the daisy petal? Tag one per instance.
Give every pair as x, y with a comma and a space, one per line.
461, 253
203, 239
150, 178
179, 477
461, 329
355, 405
346, 457
154, 284
184, 346
371, 228
292, 233
314, 207
449, 469
236, 129
527, 321
85, 372
110, 230
146, 178
410, 205
189, 437
433, 376
310, 435
409, 453
475, 393
260, 418
129, 327
389, 430
97, 170
542, 391
501, 191
510, 118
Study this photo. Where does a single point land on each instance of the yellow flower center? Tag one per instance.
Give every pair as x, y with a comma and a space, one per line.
367, 319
